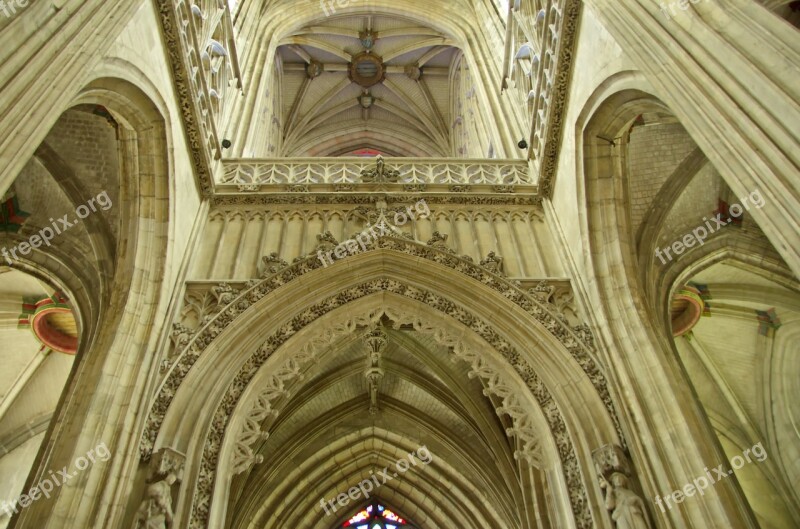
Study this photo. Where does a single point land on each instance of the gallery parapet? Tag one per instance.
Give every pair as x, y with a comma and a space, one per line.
377, 174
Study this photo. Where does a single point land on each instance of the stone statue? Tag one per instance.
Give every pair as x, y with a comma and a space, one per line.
155, 512
627, 509
493, 263
272, 264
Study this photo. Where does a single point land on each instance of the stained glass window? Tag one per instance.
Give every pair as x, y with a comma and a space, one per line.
377, 516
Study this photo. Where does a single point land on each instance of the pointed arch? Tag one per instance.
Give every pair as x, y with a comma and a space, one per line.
381, 271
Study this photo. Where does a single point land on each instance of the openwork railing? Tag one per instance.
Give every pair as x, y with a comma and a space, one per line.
344, 171
204, 62
537, 69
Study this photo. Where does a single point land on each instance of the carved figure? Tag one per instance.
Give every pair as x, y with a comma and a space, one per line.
438, 240
627, 508
155, 512
380, 174
224, 294
326, 242
180, 335
272, 264
493, 263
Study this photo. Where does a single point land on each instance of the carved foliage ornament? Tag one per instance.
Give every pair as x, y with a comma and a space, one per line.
256, 290
572, 339
522, 424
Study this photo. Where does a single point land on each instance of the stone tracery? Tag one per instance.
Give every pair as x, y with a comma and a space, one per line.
521, 429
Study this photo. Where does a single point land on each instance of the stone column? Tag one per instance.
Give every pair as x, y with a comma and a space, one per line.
728, 70
60, 40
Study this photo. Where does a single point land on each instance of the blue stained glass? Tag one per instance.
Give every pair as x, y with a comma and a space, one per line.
376, 516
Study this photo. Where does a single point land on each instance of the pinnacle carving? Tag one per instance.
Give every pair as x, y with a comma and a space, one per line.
376, 342
381, 174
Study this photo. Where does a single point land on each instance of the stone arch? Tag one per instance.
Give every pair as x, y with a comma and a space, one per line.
102, 379
656, 387
780, 358
389, 449
273, 379
385, 267
784, 366
755, 256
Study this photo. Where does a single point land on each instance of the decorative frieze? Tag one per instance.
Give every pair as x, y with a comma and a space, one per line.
360, 196
356, 170
235, 238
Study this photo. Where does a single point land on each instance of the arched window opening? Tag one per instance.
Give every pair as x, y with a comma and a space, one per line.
377, 516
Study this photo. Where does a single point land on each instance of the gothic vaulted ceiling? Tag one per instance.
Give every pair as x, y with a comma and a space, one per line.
332, 432
366, 82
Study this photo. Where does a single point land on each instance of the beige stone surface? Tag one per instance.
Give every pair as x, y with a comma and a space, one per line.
519, 330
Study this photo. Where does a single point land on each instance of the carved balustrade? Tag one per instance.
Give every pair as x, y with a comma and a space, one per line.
537, 69
364, 174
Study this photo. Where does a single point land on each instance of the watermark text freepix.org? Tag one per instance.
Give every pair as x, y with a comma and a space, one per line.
700, 233
366, 486
56, 479
360, 242
9, 7
701, 483
328, 5
61, 225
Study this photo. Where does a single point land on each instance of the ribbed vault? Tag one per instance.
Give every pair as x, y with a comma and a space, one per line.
432, 401
306, 96
425, 399
326, 96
